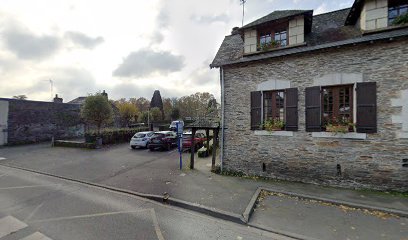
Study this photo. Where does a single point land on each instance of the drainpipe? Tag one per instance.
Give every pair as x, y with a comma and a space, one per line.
222, 117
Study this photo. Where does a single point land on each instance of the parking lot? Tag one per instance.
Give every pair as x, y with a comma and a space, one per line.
139, 170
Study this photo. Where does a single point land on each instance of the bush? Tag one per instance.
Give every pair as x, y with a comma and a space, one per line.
113, 136
402, 19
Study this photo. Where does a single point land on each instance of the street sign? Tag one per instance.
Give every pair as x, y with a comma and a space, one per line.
179, 130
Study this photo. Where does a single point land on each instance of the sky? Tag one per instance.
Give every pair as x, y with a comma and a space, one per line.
128, 48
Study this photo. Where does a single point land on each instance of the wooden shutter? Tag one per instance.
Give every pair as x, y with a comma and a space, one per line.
366, 107
313, 109
256, 104
291, 109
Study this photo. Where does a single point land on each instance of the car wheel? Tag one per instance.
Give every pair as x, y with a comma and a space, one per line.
151, 149
169, 147
133, 147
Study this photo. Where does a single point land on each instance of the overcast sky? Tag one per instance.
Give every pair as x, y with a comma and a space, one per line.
128, 48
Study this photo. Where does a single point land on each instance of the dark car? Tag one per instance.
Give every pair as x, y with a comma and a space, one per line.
163, 140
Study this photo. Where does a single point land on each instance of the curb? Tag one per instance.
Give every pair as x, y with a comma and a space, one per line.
251, 205
233, 217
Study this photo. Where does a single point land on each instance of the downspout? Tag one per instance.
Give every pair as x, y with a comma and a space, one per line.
222, 117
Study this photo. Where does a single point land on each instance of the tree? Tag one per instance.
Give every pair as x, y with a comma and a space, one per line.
141, 103
194, 105
175, 113
128, 112
167, 108
20, 97
157, 102
97, 110
143, 117
156, 114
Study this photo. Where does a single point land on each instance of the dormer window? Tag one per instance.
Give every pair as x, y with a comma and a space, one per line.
395, 10
265, 38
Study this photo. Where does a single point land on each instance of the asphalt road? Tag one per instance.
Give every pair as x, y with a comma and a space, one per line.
37, 207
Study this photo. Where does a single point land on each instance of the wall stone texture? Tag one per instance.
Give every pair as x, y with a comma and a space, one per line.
374, 163
32, 121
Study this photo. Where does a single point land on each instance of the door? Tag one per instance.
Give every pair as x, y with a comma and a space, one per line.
4, 108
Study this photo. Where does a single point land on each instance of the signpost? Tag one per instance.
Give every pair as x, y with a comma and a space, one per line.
179, 130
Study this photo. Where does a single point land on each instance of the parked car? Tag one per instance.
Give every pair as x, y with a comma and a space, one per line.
163, 140
199, 140
140, 139
173, 125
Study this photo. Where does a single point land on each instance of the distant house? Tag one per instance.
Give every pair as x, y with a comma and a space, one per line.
319, 98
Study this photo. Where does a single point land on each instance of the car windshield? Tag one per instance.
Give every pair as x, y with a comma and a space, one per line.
149, 134
140, 135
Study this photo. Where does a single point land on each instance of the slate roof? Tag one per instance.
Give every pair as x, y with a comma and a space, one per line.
280, 14
328, 30
78, 100
204, 123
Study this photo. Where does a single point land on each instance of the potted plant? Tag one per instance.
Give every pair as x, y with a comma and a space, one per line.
339, 125
273, 125
269, 45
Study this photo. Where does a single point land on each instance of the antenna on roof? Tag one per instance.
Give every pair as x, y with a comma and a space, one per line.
243, 10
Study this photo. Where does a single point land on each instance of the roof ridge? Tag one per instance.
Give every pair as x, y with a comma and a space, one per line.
338, 10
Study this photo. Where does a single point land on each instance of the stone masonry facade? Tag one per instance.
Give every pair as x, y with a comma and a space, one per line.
376, 162
32, 121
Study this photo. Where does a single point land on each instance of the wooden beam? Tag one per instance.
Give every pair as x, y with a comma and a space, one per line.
214, 151
207, 135
192, 148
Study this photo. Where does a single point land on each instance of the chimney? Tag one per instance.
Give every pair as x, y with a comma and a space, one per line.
104, 94
235, 30
57, 99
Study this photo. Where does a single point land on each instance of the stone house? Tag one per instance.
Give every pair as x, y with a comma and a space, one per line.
333, 88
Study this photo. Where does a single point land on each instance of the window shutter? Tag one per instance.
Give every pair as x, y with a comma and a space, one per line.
366, 107
291, 109
256, 102
313, 109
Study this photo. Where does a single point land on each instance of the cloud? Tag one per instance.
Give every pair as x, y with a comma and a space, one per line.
83, 40
27, 45
207, 19
146, 62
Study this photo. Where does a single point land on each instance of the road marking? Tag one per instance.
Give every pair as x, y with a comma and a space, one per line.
36, 236
156, 224
30, 186
10, 225
33, 212
89, 216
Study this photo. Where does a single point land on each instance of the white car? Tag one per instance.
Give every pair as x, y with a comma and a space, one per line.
140, 139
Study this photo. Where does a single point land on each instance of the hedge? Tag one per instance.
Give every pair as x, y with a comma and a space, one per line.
73, 144
113, 136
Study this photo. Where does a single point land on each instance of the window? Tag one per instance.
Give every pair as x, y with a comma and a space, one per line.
278, 107
337, 105
334, 109
395, 10
274, 105
265, 38
281, 38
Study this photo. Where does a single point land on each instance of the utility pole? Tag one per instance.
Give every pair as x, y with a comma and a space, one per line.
243, 10
51, 87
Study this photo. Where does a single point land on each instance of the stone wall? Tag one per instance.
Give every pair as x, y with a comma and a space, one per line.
374, 15
375, 162
32, 121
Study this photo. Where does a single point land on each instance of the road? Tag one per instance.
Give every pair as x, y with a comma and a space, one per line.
34, 207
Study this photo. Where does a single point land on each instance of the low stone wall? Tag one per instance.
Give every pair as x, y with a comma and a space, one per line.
34, 121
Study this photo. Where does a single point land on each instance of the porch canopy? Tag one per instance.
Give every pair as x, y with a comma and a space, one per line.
206, 124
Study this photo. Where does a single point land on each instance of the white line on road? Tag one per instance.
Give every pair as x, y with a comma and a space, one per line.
33, 212
10, 225
89, 216
156, 224
36, 236
30, 186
